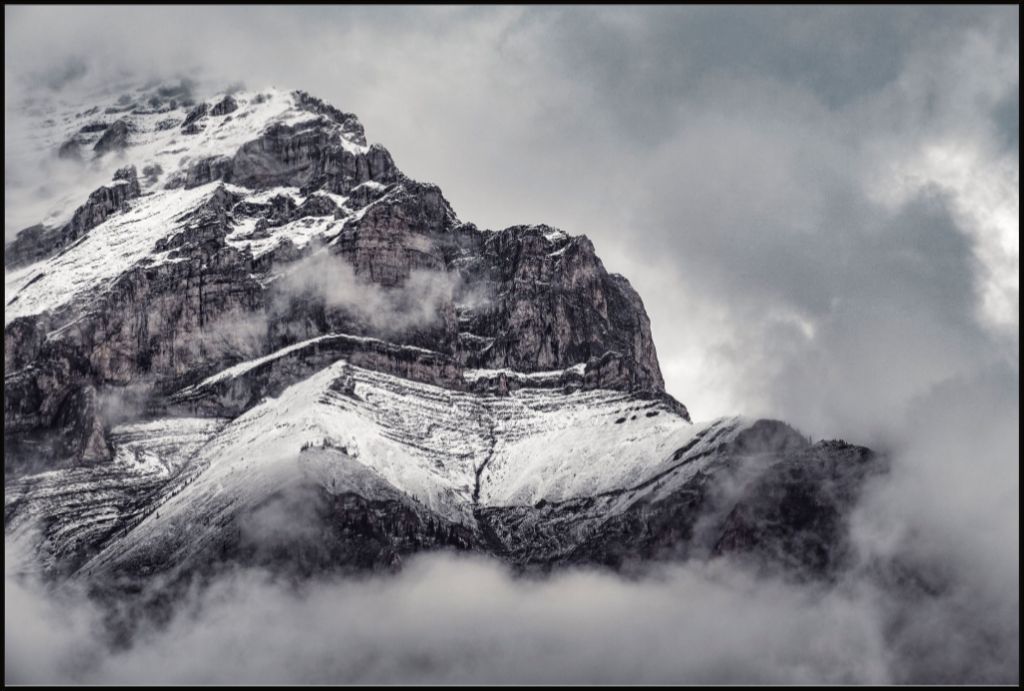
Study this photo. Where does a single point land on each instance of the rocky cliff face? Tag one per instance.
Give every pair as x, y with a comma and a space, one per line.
38, 242
525, 299
277, 301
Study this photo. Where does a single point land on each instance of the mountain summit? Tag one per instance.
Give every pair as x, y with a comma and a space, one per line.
261, 342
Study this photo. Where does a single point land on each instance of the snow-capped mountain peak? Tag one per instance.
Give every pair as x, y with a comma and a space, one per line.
258, 335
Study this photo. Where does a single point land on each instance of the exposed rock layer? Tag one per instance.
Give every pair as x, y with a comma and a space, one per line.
496, 387
525, 298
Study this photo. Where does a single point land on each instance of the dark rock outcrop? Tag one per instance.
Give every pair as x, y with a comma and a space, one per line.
204, 171
196, 114
529, 307
552, 305
315, 205
351, 127
81, 427
794, 512
31, 244
103, 202
527, 298
329, 530
233, 395
310, 156
225, 106
71, 149
152, 173
38, 242
114, 138
769, 497
94, 127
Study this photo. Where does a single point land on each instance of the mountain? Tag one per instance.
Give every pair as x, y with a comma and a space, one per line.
260, 342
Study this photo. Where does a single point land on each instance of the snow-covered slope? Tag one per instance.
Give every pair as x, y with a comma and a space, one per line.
61, 515
156, 143
286, 320
425, 441
154, 132
109, 250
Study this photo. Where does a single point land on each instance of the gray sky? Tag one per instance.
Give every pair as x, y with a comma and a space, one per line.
820, 209
819, 206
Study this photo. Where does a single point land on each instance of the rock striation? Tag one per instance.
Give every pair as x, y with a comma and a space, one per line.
279, 319
526, 298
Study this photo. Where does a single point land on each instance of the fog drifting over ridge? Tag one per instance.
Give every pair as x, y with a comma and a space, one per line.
779, 204
819, 207
933, 596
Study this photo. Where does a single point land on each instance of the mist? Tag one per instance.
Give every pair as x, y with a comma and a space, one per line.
932, 596
419, 301
449, 619
820, 209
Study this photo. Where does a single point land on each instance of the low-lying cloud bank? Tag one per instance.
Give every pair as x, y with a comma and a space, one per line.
933, 597
455, 619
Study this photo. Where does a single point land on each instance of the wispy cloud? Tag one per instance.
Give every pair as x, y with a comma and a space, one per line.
821, 210
422, 299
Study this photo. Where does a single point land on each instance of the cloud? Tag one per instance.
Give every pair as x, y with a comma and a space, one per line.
423, 299
739, 160
820, 209
45, 638
236, 335
932, 596
454, 619
448, 619
947, 521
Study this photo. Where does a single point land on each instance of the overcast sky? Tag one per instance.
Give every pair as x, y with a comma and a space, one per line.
819, 206
820, 209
